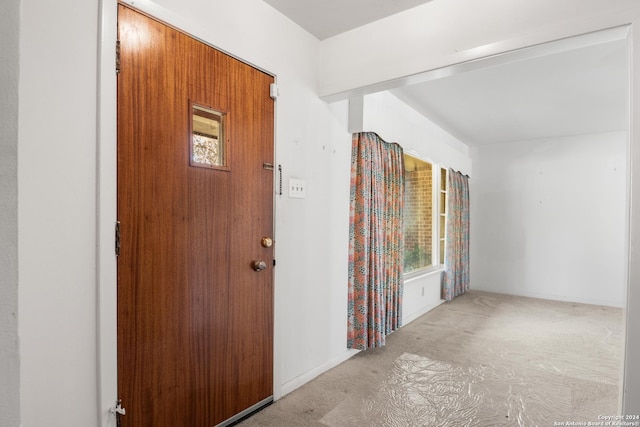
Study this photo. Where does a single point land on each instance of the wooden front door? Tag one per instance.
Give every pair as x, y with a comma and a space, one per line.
195, 317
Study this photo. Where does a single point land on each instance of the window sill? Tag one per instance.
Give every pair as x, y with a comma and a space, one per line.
437, 269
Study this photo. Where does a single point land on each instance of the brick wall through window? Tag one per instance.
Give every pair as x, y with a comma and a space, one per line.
418, 217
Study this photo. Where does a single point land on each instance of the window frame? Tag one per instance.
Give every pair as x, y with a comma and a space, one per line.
443, 199
437, 258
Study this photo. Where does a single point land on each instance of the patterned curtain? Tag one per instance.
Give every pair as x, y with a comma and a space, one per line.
375, 241
455, 278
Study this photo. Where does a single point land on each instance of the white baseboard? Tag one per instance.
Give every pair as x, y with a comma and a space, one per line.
552, 297
413, 316
301, 380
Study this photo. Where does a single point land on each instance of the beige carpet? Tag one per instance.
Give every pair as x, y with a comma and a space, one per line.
481, 360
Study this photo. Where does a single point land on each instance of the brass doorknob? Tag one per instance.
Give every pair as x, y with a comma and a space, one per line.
259, 265
266, 242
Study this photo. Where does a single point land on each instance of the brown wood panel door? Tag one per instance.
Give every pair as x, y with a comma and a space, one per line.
195, 320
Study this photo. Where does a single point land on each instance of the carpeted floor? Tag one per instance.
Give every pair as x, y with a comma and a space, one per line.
481, 360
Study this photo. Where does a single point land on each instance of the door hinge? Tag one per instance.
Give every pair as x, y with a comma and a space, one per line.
117, 56
117, 238
118, 411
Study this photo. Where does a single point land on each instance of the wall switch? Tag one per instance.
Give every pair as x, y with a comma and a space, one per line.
297, 188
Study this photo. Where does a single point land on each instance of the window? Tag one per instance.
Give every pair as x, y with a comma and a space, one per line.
424, 214
208, 145
443, 214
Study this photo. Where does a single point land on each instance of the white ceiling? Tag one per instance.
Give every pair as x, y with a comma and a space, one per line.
326, 18
575, 92
570, 91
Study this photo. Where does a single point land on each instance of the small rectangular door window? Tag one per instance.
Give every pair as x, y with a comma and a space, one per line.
208, 144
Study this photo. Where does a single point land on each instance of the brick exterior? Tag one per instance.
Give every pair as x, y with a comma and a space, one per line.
418, 217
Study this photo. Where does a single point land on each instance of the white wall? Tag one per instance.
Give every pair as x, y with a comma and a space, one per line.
57, 218
394, 121
548, 218
9, 352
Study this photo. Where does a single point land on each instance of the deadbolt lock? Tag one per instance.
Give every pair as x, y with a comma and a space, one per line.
267, 242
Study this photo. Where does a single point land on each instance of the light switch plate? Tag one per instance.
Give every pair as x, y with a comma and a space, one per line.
297, 188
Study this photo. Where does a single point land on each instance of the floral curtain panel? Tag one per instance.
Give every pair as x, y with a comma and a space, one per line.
375, 241
455, 278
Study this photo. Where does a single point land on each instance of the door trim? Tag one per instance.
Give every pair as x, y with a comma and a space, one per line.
106, 199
